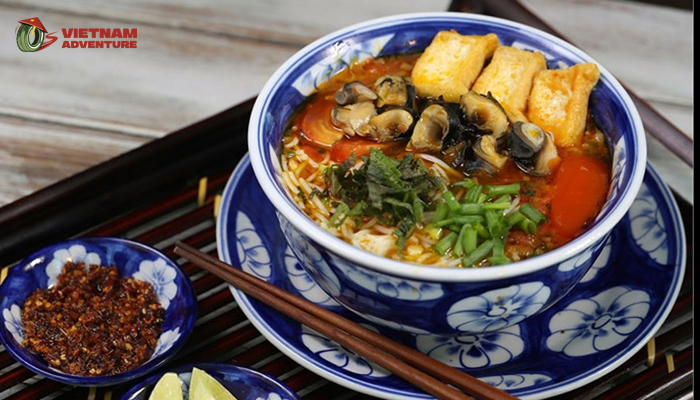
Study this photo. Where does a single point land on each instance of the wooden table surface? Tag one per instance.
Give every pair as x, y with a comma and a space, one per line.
64, 110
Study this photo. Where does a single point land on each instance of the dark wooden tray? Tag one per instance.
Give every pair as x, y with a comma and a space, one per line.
151, 195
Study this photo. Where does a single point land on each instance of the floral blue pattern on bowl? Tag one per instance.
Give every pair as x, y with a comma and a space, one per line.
41, 269
444, 301
609, 315
244, 383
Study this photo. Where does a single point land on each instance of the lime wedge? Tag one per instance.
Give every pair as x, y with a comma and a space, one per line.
205, 387
168, 387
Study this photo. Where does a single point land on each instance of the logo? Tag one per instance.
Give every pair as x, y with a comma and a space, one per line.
31, 35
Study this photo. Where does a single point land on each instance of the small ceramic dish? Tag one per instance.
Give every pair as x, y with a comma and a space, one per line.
244, 383
41, 269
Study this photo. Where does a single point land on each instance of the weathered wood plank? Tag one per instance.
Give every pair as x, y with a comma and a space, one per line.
197, 58
175, 77
648, 47
292, 22
35, 154
203, 73
172, 79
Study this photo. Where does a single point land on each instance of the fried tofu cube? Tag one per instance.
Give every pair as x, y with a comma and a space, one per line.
451, 63
559, 101
508, 77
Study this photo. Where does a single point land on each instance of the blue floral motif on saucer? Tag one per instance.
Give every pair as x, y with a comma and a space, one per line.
611, 314
132, 259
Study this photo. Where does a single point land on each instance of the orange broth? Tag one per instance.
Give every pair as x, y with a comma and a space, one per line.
570, 197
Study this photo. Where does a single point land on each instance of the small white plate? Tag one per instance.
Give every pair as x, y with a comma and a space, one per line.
244, 383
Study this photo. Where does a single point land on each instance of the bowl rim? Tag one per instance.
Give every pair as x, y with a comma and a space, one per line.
385, 265
19, 353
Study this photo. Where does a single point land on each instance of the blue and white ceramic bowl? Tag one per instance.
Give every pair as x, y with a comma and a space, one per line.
424, 299
244, 383
41, 269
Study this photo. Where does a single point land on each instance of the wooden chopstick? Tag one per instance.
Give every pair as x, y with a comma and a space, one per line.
430, 375
655, 124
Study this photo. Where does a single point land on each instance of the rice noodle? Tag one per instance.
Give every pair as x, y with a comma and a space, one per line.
345, 230
313, 176
283, 164
373, 221
293, 163
290, 141
442, 165
300, 168
292, 178
383, 229
304, 185
301, 155
321, 207
515, 205
287, 178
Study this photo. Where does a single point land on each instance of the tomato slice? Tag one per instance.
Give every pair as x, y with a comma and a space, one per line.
316, 126
580, 188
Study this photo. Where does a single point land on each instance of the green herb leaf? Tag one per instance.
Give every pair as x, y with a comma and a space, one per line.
396, 192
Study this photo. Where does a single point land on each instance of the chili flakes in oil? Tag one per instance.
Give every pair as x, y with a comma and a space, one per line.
93, 322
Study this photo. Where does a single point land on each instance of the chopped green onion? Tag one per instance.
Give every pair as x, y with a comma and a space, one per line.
445, 243
478, 254
495, 222
441, 212
481, 231
468, 219
472, 208
454, 228
457, 249
444, 222
459, 220
477, 225
503, 199
498, 257
496, 206
469, 239
498, 247
531, 213
451, 201
515, 218
499, 260
513, 188
473, 194
467, 183
528, 226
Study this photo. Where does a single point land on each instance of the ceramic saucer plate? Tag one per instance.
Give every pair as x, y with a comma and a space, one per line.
601, 323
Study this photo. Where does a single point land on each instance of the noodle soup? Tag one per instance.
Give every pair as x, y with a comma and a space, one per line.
363, 205
471, 188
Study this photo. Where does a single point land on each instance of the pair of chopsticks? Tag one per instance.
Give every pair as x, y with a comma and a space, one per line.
430, 375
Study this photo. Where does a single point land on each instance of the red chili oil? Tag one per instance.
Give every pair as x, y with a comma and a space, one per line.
93, 322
